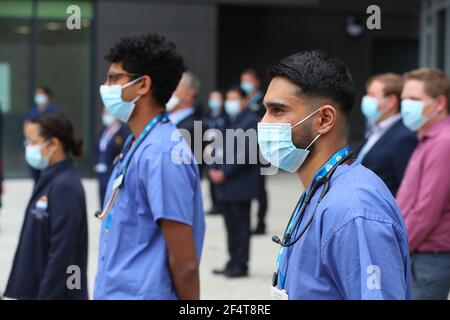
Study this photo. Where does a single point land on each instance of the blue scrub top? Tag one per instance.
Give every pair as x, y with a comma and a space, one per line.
133, 259
355, 248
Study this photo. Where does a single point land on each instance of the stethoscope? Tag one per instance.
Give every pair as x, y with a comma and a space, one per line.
324, 181
118, 181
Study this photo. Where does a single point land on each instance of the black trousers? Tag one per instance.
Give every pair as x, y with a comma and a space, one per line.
237, 223
215, 204
262, 202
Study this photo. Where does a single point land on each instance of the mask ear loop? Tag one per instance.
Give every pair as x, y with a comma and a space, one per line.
314, 140
434, 114
132, 82
129, 84
46, 144
135, 99
306, 118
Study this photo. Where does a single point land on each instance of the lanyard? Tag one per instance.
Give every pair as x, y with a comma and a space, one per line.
120, 175
334, 159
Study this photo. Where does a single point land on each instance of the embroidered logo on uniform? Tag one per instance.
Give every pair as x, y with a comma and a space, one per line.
118, 140
42, 203
374, 278
40, 208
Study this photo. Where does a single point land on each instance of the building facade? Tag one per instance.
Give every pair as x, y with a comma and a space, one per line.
218, 38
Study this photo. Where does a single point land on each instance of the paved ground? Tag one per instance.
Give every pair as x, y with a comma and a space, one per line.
283, 192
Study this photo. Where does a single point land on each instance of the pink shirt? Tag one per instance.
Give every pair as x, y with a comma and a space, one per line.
424, 195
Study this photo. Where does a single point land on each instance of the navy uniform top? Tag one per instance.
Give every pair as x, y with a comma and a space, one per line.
109, 146
53, 237
34, 111
241, 175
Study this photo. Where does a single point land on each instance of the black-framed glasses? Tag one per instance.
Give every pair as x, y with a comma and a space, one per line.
114, 77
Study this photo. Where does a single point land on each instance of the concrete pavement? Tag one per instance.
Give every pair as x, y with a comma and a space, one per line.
283, 191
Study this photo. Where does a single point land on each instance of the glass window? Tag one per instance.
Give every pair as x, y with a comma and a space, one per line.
15, 84
57, 57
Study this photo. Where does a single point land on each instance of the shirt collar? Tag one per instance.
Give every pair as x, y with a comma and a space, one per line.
387, 123
52, 171
177, 116
435, 129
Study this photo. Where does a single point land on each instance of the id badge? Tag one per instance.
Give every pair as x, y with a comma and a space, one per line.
278, 294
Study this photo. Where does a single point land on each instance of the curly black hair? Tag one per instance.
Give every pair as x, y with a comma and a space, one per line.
150, 55
318, 75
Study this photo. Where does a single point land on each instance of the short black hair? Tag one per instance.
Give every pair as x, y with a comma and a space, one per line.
150, 55
318, 76
47, 91
237, 89
252, 72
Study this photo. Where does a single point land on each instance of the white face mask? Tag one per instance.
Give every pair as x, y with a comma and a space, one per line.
112, 99
277, 147
172, 103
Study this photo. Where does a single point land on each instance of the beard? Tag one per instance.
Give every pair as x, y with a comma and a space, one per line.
304, 135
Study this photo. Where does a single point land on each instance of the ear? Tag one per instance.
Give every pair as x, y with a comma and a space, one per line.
326, 119
144, 85
54, 144
441, 102
392, 100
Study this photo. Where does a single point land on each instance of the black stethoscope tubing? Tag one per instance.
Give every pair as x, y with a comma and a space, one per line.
325, 181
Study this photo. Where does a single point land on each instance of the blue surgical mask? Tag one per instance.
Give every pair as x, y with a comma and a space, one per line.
34, 158
214, 104
411, 111
369, 108
40, 99
232, 107
112, 99
277, 147
247, 86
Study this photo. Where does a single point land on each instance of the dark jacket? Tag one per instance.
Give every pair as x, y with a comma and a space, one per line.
256, 104
113, 148
212, 121
389, 156
241, 180
54, 236
188, 124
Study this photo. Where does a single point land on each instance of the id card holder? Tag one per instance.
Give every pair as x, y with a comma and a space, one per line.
278, 294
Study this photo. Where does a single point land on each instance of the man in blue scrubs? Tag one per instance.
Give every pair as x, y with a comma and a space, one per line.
153, 220
356, 246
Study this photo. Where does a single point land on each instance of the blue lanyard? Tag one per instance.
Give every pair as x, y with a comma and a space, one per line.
149, 127
120, 175
334, 159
